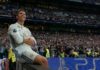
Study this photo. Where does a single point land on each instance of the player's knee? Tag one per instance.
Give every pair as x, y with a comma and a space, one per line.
41, 59
45, 61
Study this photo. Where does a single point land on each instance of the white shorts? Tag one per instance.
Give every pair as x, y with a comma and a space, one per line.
26, 51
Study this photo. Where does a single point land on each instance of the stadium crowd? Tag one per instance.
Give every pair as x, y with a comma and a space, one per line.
58, 16
60, 44
69, 44
54, 44
4, 43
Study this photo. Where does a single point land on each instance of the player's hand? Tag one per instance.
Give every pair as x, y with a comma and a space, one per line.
29, 41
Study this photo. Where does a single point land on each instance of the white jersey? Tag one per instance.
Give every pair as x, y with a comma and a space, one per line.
17, 33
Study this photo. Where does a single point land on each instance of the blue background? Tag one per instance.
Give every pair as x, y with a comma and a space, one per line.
74, 63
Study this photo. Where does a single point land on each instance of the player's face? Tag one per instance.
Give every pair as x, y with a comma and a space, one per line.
21, 16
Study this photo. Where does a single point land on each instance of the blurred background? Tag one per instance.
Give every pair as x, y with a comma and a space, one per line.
62, 28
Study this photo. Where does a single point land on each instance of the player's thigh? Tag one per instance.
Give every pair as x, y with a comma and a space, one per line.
30, 54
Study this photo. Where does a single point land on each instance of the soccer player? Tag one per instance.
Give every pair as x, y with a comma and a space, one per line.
21, 39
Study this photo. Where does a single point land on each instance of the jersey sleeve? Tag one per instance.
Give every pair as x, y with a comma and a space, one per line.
15, 34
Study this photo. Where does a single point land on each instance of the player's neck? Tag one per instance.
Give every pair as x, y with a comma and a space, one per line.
21, 23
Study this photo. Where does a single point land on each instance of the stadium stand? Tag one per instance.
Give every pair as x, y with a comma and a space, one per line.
75, 42
65, 17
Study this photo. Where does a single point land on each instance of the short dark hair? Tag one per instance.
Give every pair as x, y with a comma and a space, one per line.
20, 9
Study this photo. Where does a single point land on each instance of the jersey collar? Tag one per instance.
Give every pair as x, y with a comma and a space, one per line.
20, 26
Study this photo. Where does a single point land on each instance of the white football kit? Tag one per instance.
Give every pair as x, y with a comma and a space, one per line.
17, 33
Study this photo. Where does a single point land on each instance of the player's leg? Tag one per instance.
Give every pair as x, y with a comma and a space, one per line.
41, 60
36, 58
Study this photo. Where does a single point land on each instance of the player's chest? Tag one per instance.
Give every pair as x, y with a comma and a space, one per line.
23, 32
